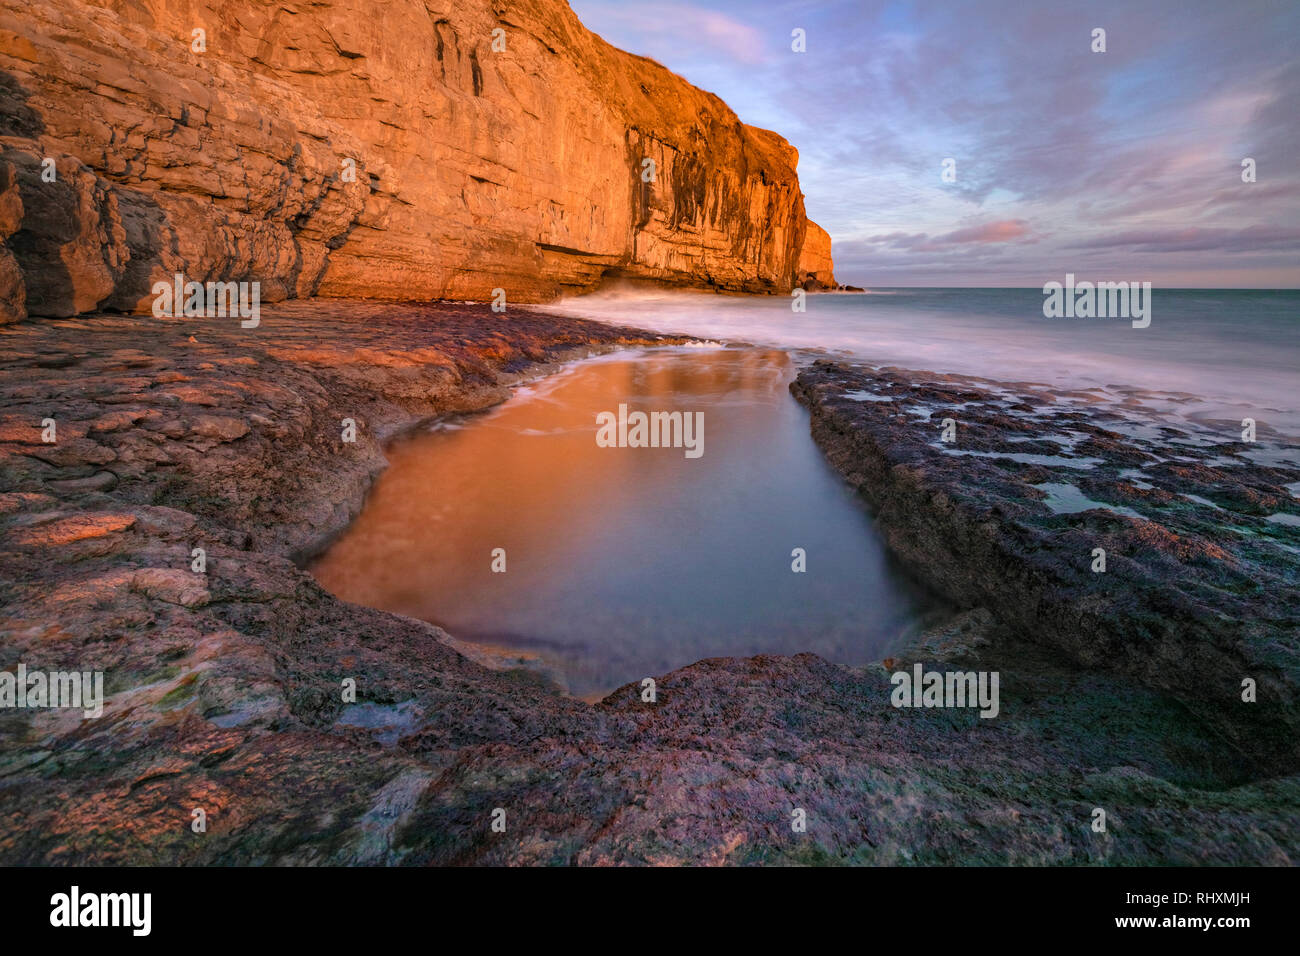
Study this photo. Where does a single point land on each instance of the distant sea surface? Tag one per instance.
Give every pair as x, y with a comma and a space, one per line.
1220, 354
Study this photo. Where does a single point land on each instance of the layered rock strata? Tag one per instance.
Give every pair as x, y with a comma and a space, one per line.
433, 149
816, 267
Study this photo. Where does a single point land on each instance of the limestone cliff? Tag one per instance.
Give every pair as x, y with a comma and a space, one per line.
816, 268
413, 149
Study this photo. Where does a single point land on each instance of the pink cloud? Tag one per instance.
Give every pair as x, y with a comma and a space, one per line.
1004, 230
666, 31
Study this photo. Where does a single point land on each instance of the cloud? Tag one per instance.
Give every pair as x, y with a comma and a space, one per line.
1003, 230
1131, 154
674, 31
1253, 193
1195, 239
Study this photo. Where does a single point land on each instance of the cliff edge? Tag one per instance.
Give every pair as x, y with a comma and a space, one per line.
418, 149
816, 268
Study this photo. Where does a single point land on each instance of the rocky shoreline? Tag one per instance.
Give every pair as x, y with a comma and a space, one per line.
1125, 539
224, 686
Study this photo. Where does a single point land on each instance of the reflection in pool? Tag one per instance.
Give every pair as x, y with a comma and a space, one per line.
621, 562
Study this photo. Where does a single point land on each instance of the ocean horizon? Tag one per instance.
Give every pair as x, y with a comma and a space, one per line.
1217, 354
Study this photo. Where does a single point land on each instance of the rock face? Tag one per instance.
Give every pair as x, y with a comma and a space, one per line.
816, 269
1166, 551
13, 294
438, 149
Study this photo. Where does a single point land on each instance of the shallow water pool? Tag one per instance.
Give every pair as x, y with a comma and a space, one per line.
627, 562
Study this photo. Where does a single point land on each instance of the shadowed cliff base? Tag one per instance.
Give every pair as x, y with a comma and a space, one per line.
224, 687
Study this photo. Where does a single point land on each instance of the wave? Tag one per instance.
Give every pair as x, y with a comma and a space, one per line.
1214, 354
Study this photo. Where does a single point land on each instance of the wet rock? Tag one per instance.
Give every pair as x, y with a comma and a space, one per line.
173, 586
233, 702
220, 427
99, 481
1196, 595
64, 531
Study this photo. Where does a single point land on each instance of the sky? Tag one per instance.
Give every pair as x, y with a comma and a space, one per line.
1123, 164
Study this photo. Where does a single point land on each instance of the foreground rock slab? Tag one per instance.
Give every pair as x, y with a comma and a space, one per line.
1130, 541
223, 686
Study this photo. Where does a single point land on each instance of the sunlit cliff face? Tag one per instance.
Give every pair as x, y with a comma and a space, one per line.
1065, 158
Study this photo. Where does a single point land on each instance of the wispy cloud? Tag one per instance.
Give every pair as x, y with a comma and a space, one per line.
1005, 230
1249, 239
1093, 149
673, 31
